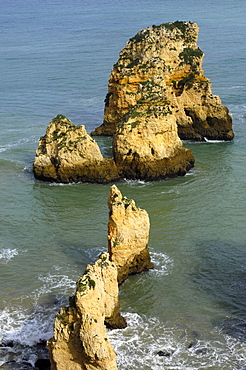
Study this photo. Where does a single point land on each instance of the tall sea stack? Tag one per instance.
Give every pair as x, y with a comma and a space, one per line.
80, 340
159, 74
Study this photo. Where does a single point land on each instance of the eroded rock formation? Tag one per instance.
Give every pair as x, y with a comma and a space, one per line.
80, 339
157, 95
68, 154
128, 235
159, 76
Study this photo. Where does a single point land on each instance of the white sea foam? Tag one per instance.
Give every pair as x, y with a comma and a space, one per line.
28, 325
21, 330
190, 172
175, 190
163, 264
214, 141
34, 328
136, 182
9, 321
62, 184
6, 254
147, 344
27, 321
236, 87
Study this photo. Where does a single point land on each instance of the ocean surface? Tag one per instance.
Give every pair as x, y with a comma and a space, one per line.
189, 312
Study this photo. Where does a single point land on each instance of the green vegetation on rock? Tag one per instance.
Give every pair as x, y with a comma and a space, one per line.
85, 282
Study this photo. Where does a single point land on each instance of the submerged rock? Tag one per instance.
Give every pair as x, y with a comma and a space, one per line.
68, 154
159, 74
165, 353
128, 235
42, 364
80, 338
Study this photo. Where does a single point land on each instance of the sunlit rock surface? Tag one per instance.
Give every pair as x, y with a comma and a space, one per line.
128, 235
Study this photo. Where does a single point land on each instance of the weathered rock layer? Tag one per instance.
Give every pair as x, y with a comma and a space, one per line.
161, 69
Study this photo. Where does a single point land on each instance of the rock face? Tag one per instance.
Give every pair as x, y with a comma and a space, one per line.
128, 235
159, 77
80, 339
68, 154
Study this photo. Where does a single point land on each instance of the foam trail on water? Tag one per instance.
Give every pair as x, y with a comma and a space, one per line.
214, 141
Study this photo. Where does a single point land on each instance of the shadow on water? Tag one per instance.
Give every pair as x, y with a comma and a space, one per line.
222, 276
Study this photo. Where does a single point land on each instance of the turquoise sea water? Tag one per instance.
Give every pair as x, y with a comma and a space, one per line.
56, 58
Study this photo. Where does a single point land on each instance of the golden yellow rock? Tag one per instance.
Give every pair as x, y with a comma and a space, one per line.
146, 144
68, 154
80, 339
128, 235
162, 65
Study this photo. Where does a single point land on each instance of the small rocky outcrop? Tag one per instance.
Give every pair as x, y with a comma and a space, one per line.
68, 154
80, 339
159, 75
128, 235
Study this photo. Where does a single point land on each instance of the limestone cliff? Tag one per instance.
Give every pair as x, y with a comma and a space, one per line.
68, 154
159, 74
128, 235
80, 339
